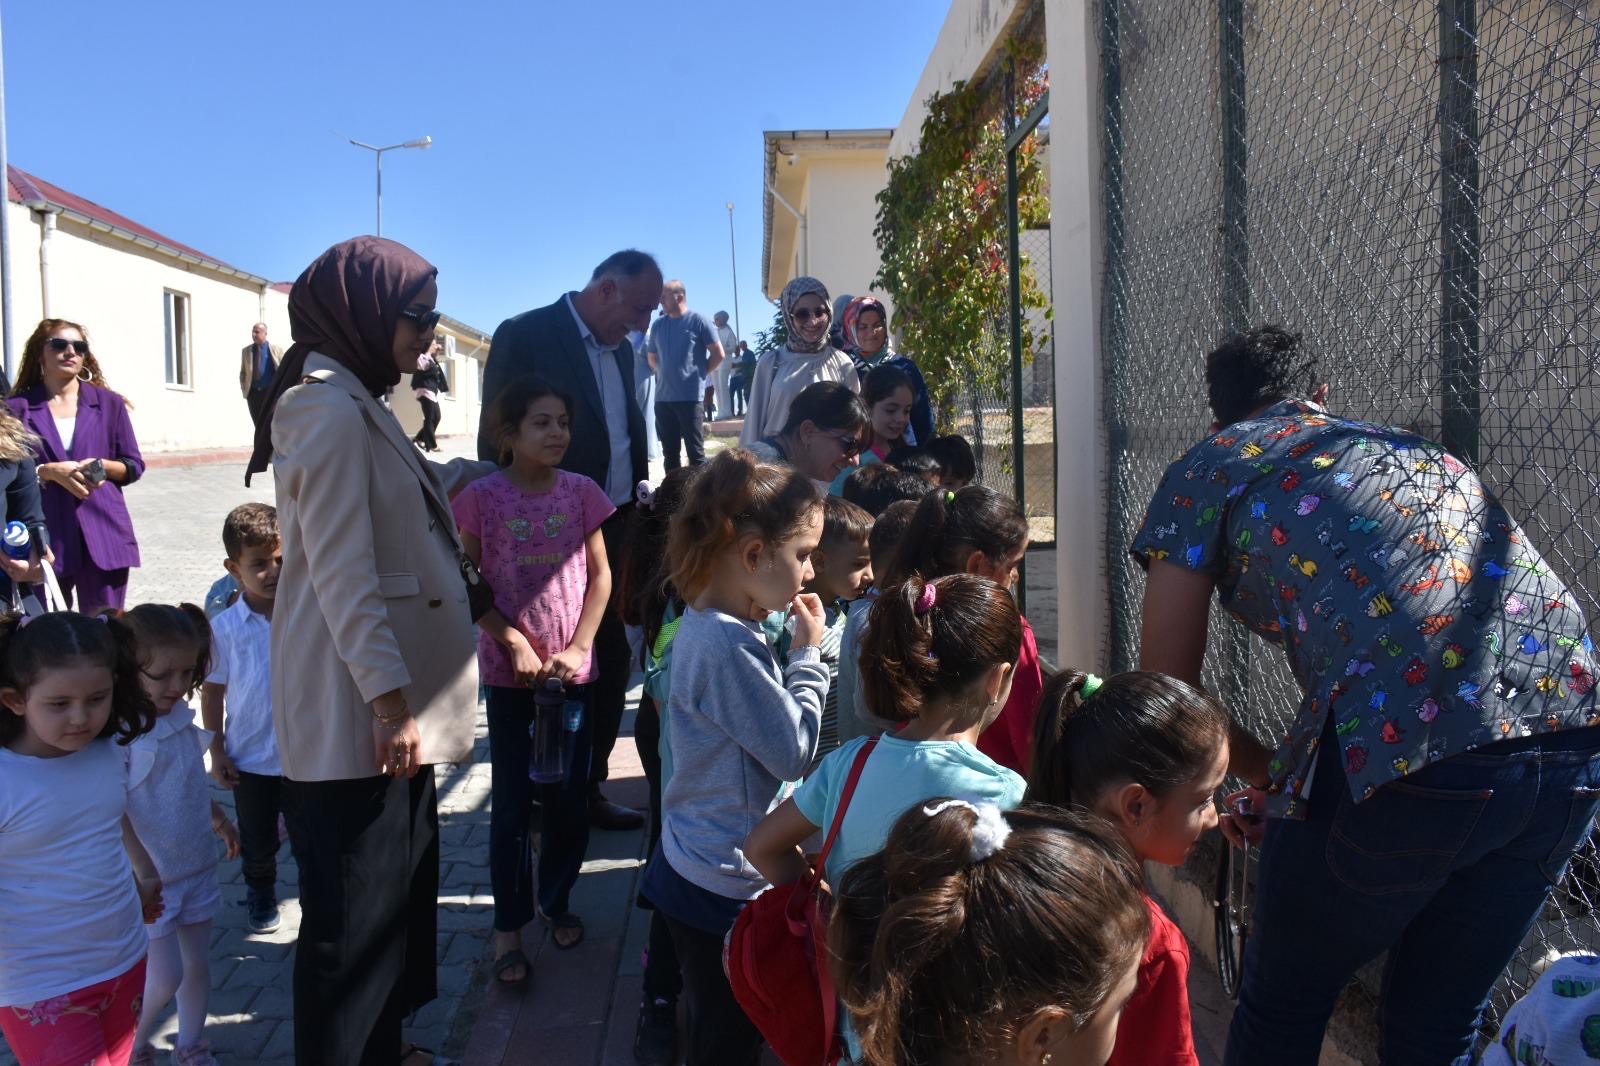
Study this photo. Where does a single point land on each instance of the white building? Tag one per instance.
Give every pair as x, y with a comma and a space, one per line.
167, 321
820, 207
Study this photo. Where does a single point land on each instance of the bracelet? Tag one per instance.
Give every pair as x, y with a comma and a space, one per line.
390, 719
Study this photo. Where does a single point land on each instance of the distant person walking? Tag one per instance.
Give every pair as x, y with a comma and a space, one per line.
426, 384
684, 351
723, 406
258, 365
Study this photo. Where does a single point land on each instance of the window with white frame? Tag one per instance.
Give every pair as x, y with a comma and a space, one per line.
175, 308
447, 360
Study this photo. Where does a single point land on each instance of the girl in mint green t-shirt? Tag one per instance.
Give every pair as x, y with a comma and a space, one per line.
937, 657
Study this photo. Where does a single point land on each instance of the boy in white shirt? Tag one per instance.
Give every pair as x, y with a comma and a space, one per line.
236, 703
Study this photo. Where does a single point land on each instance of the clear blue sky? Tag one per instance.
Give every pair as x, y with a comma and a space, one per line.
562, 131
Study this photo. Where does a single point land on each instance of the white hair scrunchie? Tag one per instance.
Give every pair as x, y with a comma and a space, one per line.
989, 832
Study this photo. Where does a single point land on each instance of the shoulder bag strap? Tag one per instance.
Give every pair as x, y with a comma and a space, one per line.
819, 931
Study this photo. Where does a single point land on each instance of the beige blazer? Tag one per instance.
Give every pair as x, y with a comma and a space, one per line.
370, 598
248, 366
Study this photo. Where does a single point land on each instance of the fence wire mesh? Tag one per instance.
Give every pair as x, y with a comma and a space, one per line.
1416, 188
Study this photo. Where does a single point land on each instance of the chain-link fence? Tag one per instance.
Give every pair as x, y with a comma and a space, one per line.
1416, 188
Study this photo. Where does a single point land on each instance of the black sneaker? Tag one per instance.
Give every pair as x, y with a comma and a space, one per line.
655, 1040
263, 913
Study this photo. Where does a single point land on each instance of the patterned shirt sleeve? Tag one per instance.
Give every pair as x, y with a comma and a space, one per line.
1187, 520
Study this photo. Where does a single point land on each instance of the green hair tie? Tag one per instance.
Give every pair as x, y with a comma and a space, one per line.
1091, 685
949, 496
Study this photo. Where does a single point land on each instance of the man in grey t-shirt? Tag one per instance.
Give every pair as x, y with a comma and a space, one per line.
684, 351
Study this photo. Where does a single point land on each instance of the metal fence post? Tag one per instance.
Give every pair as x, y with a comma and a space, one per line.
1460, 199
1114, 331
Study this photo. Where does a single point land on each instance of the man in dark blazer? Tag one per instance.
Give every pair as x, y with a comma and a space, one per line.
579, 345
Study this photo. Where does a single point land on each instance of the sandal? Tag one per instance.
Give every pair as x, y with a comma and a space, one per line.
509, 961
570, 924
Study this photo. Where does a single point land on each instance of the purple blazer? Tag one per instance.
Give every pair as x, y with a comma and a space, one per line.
96, 531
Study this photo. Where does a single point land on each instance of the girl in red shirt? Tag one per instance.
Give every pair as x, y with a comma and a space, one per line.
1148, 753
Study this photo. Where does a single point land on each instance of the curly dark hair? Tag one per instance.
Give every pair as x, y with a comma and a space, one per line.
1249, 371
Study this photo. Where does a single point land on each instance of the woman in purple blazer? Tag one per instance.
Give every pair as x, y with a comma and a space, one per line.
87, 452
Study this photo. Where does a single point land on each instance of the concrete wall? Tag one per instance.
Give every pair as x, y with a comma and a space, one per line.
837, 191
116, 289
972, 31
460, 407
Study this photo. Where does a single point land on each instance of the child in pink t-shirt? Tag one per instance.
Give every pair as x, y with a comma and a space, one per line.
534, 531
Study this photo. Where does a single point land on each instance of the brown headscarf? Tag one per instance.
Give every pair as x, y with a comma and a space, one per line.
345, 306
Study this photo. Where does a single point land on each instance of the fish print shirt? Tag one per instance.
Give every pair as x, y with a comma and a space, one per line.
1407, 601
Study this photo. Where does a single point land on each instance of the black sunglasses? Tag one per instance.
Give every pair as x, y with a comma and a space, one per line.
61, 344
424, 320
806, 314
850, 446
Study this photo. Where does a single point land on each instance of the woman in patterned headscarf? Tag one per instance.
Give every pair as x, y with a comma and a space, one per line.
865, 324
805, 358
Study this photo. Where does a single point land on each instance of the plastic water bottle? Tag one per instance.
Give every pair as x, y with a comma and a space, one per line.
17, 543
555, 727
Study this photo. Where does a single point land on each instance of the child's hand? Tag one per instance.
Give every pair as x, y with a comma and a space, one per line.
1243, 818
222, 769
150, 897
564, 664
524, 660
809, 620
230, 837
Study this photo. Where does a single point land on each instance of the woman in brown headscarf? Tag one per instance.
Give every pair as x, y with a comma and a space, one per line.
373, 674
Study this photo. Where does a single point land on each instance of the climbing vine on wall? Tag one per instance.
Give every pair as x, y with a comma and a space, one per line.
942, 233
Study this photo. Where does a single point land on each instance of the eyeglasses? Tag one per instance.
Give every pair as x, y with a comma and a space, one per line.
807, 314
424, 320
850, 446
61, 344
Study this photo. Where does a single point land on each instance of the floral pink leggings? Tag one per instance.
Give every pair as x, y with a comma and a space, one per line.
93, 1026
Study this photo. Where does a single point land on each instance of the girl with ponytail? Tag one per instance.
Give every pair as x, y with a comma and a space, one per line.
1147, 752
977, 531
72, 935
937, 659
982, 936
738, 548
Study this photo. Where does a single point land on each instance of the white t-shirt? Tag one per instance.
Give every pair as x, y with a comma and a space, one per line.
70, 915
241, 661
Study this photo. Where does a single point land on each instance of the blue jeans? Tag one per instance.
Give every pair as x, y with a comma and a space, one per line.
1445, 869
564, 826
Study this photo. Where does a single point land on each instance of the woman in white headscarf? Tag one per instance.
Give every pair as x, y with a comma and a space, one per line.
805, 358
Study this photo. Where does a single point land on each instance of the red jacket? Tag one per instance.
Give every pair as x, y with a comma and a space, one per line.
1009, 738
1154, 1029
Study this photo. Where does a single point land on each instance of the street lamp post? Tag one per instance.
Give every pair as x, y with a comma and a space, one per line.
733, 261
377, 154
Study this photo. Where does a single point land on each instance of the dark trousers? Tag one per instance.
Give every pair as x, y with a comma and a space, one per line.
564, 822
256, 400
681, 423
368, 851
720, 1034
613, 659
1445, 869
663, 979
738, 394
257, 799
430, 422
